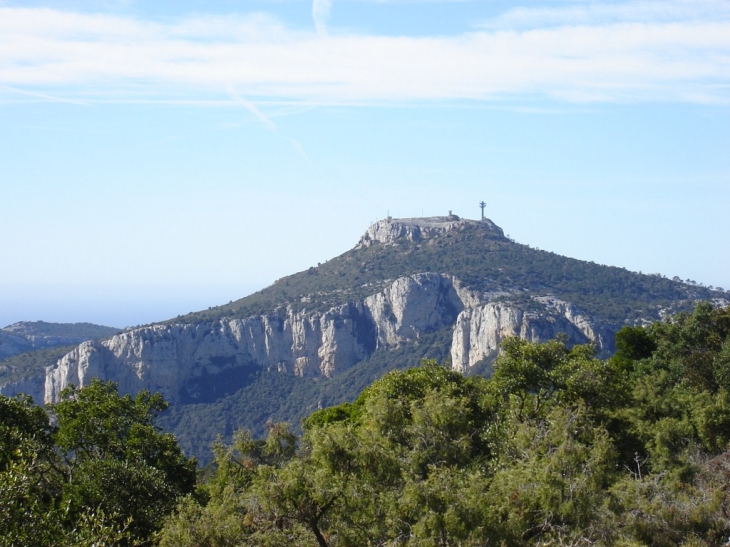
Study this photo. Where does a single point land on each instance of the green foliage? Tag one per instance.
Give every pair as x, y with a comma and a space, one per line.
103, 475
556, 479
556, 448
27, 516
695, 347
532, 378
32, 363
116, 458
634, 343
24, 429
32, 479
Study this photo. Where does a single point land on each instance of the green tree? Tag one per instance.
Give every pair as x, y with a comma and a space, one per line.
32, 478
27, 478
116, 459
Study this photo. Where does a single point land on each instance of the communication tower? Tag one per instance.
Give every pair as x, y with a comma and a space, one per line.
482, 205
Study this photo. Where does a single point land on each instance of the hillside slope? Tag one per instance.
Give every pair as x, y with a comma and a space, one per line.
481, 257
439, 287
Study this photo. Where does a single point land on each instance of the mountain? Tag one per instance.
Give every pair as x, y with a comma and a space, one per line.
27, 347
439, 287
31, 335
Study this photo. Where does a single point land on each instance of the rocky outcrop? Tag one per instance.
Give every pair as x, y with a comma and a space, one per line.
186, 361
168, 358
17, 339
479, 331
390, 230
412, 305
175, 359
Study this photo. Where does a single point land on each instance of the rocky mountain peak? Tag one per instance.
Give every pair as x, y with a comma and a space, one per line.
391, 230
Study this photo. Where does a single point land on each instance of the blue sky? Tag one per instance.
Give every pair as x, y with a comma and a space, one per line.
159, 157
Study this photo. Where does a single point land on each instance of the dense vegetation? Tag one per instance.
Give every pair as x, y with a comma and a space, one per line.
556, 448
32, 363
91, 470
484, 261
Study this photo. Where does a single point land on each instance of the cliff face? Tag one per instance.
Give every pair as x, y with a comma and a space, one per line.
390, 230
175, 359
480, 330
32, 336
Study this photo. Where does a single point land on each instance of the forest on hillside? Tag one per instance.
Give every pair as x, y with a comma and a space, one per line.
557, 447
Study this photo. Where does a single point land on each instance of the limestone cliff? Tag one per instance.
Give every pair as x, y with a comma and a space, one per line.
175, 359
390, 230
25, 373
480, 330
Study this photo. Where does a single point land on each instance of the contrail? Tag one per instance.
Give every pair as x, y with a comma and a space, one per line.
321, 14
45, 96
267, 123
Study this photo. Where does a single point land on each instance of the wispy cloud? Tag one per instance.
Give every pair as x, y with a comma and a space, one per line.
569, 56
321, 14
39, 96
604, 13
267, 122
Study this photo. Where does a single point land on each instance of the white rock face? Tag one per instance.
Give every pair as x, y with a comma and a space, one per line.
390, 230
480, 330
167, 357
18, 338
177, 359
413, 305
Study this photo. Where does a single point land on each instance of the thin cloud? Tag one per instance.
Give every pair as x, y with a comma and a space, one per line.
108, 58
267, 123
603, 13
321, 14
45, 97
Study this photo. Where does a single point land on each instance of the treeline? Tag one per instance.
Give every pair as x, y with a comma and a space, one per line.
558, 447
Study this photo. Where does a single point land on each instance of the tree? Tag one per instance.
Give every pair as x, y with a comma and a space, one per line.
27, 479
32, 477
116, 459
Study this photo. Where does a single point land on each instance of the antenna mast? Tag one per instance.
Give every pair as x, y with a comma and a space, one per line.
482, 205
